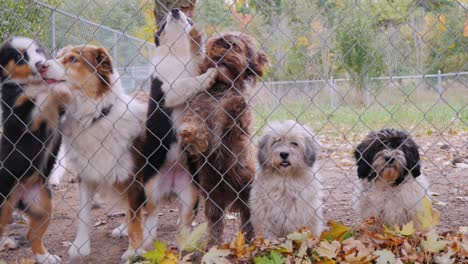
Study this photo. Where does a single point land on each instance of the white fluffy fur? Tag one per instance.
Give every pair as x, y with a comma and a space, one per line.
98, 151
178, 68
280, 201
391, 205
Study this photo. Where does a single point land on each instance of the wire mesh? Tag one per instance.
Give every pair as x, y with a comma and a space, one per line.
341, 69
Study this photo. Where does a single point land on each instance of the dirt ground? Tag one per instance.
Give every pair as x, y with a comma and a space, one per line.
449, 190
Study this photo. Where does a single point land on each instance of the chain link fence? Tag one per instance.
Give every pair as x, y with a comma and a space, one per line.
340, 69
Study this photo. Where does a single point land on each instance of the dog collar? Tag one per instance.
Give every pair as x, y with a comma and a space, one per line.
104, 112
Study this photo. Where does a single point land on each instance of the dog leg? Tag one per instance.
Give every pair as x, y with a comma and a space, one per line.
188, 198
214, 212
81, 247
136, 200
246, 224
150, 226
178, 92
39, 213
6, 210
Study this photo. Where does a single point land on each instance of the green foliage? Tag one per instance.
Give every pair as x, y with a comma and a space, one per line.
23, 18
156, 255
274, 258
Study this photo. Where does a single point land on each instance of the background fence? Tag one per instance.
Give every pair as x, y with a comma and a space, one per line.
342, 67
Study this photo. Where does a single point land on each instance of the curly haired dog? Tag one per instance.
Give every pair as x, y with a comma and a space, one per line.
286, 192
31, 112
217, 131
392, 186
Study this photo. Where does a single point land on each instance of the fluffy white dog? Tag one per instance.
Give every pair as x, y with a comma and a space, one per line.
286, 192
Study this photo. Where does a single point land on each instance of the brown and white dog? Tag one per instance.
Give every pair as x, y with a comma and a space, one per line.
217, 130
103, 135
31, 111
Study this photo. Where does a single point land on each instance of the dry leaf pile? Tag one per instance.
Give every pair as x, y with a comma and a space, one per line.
365, 243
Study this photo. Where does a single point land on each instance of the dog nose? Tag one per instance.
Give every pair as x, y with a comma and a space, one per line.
284, 155
389, 159
43, 68
175, 13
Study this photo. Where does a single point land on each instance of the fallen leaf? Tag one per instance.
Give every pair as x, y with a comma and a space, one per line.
326, 261
27, 261
406, 230
300, 238
156, 255
238, 245
440, 203
192, 241
274, 258
432, 243
7, 243
356, 252
337, 231
216, 256
328, 250
170, 258
426, 216
446, 258
384, 257
99, 223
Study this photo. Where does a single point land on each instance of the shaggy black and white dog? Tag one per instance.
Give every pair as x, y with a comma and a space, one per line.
392, 186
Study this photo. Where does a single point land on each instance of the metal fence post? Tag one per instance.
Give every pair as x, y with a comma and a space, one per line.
52, 32
332, 92
439, 84
114, 49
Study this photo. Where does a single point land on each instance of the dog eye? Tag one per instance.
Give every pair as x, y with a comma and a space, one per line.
227, 45
294, 144
72, 59
38, 50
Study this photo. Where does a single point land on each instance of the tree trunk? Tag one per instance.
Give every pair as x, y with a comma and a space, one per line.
161, 7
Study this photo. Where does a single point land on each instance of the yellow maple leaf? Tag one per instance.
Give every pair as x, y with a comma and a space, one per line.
337, 231
427, 217
406, 230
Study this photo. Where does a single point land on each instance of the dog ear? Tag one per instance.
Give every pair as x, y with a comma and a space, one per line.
258, 63
103, 64
310, 151
263, 150
363, 155
412, 158
158, 33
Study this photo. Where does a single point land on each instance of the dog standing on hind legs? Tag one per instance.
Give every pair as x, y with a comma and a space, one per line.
216, 131
31, 111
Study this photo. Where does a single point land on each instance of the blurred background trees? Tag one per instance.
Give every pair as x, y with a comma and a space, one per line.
305, 39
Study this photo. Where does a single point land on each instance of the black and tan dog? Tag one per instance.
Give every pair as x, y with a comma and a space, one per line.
31, 110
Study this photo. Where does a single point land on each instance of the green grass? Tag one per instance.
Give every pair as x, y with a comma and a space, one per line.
419, 118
